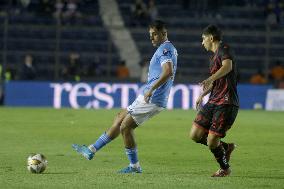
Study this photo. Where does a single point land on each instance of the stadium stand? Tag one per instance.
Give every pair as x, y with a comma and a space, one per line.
255, 45
244, 26
37, 35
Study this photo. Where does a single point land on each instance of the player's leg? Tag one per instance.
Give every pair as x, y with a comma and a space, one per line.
114, 130
230, 114
138, 112
127, 131
110, 134
219, 153
198, 134
224, 116
104, 139
229, 148
201, 125
200, 129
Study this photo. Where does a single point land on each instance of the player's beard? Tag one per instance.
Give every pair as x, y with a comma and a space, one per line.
207, 47
155, 43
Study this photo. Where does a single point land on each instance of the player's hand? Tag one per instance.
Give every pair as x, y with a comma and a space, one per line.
148, 95
206, 84
199, 102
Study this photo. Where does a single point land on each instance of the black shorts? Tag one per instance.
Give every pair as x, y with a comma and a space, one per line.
216, 119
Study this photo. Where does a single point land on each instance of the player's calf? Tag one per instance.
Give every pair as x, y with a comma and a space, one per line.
231, 147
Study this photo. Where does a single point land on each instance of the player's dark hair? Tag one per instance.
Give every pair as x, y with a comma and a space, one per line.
214, 31
159, 25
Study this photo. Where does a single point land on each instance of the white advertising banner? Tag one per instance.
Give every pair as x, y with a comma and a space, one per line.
114, 95
275, 100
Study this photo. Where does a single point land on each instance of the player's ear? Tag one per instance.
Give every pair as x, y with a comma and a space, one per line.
211, 38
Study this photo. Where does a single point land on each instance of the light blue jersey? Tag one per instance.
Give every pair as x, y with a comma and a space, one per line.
165, 53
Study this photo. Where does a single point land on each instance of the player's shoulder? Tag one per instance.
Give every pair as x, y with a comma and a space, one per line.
224, 46
224, 49
166, 47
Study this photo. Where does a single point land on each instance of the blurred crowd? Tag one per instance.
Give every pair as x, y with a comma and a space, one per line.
142, 12
275, 76
67, 10
274, 10
71, 70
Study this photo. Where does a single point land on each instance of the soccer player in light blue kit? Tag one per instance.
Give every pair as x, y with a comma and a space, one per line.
153, 100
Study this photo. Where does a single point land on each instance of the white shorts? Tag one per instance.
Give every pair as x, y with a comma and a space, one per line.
142, 111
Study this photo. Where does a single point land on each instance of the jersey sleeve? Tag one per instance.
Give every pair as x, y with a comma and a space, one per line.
166, 56
226, 53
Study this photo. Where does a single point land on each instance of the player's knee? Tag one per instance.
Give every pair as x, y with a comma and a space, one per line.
194, 137
120, 115
124, 129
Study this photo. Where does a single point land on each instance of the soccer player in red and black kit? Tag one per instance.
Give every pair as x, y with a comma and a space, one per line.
217, 116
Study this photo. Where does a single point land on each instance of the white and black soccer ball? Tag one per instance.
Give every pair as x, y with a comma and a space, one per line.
36, 163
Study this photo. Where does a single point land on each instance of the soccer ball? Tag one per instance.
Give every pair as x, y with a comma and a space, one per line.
36, 163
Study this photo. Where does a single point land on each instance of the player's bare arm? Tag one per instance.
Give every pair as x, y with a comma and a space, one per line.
167, 72
224, 70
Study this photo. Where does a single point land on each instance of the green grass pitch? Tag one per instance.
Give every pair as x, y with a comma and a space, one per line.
168, 157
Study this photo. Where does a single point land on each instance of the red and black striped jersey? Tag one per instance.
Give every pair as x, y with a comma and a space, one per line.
224, 90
